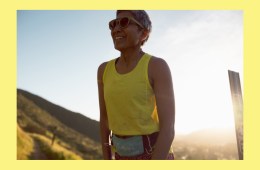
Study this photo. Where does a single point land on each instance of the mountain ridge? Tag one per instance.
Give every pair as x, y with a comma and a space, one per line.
34, 118
73, 120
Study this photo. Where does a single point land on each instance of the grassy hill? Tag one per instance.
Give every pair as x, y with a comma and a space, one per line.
77, 137
37, 147
40, 120
76, 121
24, 144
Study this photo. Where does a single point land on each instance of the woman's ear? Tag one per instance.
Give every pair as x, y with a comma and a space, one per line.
144, 36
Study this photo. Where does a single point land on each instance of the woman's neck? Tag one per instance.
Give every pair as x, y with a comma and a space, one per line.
129, 57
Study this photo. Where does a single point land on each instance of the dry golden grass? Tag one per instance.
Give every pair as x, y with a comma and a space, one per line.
24, 144
56, 151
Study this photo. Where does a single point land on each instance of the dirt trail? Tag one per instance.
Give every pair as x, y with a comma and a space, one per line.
37, 154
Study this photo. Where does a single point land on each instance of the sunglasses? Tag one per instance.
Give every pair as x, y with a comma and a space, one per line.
123, 22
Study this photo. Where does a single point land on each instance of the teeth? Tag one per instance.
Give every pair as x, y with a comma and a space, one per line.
118, 38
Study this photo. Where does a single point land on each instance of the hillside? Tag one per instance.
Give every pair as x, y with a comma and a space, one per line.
71, 119
77, 137
37, 147
37, 116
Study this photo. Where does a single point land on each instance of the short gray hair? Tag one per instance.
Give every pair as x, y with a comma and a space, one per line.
143, 18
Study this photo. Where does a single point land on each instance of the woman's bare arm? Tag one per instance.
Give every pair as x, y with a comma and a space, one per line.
104, 130
161, 80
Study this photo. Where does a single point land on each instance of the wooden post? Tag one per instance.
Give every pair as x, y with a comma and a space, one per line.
237, 101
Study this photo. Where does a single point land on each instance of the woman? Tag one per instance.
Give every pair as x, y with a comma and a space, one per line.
135, 94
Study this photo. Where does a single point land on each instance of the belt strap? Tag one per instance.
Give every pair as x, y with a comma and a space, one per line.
149, 142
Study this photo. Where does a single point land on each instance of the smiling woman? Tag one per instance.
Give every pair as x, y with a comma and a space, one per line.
198, 46
135, 94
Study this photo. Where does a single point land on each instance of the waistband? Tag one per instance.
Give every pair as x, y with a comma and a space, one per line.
153, 135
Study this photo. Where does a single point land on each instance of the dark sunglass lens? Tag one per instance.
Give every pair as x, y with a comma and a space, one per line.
124, 22
112, 24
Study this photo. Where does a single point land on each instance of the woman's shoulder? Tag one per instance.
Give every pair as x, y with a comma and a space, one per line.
101, 70
158, 69
157, 62
102, 67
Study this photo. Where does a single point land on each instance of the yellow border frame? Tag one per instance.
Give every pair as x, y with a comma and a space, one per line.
8, 80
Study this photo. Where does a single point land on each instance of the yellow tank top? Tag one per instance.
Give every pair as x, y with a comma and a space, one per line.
130, 100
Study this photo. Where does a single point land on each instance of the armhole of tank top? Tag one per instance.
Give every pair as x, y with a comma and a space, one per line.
104, 73
108, 65
147, 72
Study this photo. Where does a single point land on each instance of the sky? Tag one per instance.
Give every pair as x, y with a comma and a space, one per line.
58, 53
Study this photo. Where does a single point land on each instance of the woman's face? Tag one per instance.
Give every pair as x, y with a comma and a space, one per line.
126, 38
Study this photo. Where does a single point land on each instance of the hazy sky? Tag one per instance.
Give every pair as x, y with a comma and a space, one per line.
59, 53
